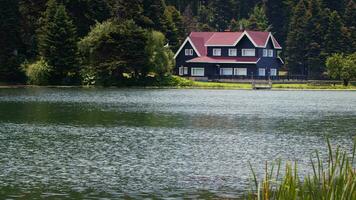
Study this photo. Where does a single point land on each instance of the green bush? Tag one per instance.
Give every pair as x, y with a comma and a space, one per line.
38, 73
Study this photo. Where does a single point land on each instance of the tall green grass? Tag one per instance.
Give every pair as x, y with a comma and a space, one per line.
334, 181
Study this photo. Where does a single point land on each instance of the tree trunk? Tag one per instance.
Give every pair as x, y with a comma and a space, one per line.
346, 82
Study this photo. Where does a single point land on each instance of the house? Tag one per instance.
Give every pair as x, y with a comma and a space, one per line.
229, 55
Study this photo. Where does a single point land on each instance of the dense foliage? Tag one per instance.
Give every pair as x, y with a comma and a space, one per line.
309, 30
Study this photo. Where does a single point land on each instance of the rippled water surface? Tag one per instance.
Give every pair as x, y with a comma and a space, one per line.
90, 143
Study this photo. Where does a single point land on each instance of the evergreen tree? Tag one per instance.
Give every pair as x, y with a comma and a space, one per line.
296, 40
278, 17
223, 13
154, 10
350, 26
58, 44
335, 5
178, 21
334, 37
9, 40
190, 22
258, 19
316, 25
86, 13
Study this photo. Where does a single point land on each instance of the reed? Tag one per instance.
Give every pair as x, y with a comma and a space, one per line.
334, 181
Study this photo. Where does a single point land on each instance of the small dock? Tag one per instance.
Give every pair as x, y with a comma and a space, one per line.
261, 85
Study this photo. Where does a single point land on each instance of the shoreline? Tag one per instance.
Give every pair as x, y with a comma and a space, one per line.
232, 87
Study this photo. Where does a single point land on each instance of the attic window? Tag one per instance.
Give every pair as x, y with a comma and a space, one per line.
248, 52
265, 52
216, 52
189, 52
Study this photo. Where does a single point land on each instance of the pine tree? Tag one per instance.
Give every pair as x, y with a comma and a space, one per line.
278, 17
58, 44
154, 10
258, 19
335, 5
223, 13
190, 22
350, 25
9, 40
334, 37
296, 40
316, 25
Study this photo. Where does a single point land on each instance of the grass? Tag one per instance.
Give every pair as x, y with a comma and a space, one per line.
337, 181
307, 86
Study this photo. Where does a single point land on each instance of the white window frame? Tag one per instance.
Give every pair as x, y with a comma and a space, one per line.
240, 71
270, 53
261, 70
185, 70
189, 52
248, 52
232, 52
265, 52
216, 52
226, 71
274, 70
181, 72
194, 73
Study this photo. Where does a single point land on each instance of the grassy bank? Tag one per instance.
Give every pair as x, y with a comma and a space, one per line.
336, 180
178, 82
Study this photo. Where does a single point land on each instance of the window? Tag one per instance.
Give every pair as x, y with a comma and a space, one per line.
226, 71
265, 52
216, 52
273, 72
181, 71
241, 71
232, 52
185, 70
198, 72
248, 52
189, 52
262, 72
270, 53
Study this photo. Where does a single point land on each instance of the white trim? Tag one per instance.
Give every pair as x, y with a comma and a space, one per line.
237, 70
227, 62
184, 43
274, 45
281, 59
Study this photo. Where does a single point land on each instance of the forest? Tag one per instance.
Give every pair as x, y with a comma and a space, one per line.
118, 42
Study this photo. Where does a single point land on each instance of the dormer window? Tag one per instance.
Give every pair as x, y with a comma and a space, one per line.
216, 52
189, 52
232, 52
270, 53
248, 52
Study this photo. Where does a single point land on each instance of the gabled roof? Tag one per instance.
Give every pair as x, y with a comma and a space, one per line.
241, 60
201, 40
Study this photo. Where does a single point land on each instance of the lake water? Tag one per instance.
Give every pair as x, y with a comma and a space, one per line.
115, 143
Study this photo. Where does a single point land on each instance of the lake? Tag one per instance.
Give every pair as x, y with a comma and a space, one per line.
143, 143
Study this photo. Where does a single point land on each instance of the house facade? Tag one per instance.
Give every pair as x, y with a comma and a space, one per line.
230, 55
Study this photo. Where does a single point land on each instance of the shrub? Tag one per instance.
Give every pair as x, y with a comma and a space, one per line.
38, 73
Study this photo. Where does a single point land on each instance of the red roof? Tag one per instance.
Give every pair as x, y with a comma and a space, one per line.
205, 59
201, 40
223, 39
